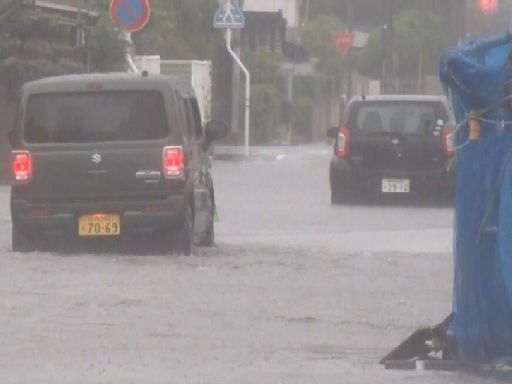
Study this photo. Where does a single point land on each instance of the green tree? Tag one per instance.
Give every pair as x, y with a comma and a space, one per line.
107, 47
35, 44
317, 38
418, 42
31, 46
180, 30
370, 59
266, 94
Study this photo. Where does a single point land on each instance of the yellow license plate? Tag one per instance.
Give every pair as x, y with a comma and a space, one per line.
99, 225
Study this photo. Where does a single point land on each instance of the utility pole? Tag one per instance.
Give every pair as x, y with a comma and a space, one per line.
387, 43
350, 27
510, 14
88, 39
82, 40
420, 83
307, 11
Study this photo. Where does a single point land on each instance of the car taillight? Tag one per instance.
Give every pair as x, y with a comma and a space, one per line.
343, 143
449, 140
174, 162
21, 166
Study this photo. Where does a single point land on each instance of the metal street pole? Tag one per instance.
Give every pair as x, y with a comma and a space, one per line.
235, 86
387, 43
391, 43
247, 91
350, 24
510, 14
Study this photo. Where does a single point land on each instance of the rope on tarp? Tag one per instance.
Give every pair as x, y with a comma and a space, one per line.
476, 115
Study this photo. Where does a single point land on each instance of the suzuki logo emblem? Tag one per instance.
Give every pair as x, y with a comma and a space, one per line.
96, 158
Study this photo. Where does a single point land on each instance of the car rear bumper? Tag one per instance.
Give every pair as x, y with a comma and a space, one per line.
62, 218
422, 181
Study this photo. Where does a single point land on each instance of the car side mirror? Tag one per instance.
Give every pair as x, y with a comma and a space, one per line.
333, 132
214, 131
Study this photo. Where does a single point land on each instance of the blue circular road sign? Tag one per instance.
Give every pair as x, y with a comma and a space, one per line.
131, 15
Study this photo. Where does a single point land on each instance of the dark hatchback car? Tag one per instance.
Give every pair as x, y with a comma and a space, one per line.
393, 145
107, 156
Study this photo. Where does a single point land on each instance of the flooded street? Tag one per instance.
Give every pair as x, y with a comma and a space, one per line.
295, 291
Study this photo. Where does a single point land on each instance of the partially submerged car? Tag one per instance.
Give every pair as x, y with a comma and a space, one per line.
106, 156
393, 145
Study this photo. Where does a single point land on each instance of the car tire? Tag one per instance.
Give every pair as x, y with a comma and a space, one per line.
182, 241
336, 199
20, 241
208, 239
338, 196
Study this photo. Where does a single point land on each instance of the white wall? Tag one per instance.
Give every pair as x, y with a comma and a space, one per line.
148, 63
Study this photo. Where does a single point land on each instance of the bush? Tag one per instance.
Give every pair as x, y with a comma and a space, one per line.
308, 92
264, 113
302, 119
267, 95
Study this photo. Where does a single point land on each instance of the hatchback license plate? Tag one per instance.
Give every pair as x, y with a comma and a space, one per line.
396, 185
99, 225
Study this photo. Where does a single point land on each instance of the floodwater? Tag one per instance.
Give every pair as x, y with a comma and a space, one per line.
295, 291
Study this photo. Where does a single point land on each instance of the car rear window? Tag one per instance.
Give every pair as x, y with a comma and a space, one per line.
406, 117
81, 117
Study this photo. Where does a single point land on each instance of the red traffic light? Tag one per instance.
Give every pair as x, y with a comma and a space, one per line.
488, 6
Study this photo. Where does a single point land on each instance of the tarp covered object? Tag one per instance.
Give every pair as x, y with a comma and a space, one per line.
475, 75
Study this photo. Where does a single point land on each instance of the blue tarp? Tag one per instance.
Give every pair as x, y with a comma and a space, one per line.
475, 75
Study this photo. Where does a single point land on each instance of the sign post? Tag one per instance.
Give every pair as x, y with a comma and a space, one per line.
131, 16
229, 16
344, 41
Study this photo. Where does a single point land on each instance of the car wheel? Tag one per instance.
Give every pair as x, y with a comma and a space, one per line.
447, 197
337, 195
21, 242
183, 238
209, 237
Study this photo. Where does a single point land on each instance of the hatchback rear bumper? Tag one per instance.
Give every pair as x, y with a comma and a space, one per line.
422, 181
62, 218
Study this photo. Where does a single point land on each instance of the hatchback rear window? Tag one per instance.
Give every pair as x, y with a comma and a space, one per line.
81, 117
406, 117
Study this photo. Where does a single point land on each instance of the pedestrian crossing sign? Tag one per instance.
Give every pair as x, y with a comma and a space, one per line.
229, 15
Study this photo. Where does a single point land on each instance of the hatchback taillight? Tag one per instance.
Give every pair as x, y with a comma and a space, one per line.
174, 162
21, 166
449, 140
343, 142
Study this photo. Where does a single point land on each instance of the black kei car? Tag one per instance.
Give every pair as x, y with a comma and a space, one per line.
111, 156
393, 145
